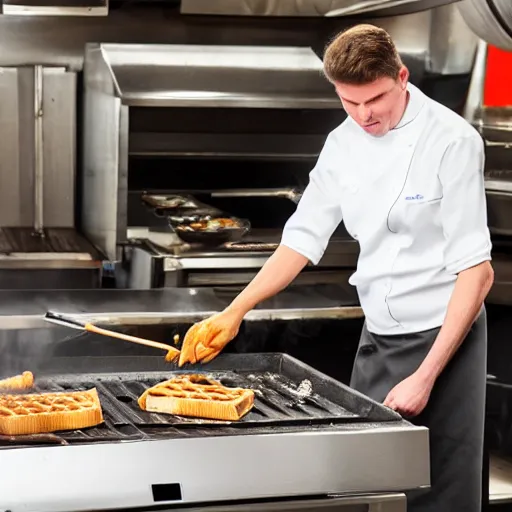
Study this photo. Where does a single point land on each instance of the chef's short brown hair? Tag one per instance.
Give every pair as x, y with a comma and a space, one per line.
361, 55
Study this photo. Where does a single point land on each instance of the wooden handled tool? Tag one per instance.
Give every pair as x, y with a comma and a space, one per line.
172, 353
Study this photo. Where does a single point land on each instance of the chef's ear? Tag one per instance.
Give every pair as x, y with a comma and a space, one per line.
403, 77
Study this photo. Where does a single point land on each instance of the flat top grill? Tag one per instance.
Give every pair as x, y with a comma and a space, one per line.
289, 396
56, 240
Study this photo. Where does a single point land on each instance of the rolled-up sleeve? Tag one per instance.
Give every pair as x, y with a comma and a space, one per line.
463, 205
318, 213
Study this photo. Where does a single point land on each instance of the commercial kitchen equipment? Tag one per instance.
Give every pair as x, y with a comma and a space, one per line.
42, 223
310, 443
238, 127
40, 246
327, 8
133, 164
57, 44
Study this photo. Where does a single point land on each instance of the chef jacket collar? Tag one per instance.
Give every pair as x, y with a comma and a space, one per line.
414, 106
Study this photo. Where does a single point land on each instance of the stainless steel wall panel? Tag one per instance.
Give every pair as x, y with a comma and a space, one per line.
105, 162
17, 147
14, 209
59, 150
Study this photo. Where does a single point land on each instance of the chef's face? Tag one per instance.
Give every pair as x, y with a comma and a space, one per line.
378, 106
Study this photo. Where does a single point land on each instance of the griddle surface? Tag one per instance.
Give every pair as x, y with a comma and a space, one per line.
289, 395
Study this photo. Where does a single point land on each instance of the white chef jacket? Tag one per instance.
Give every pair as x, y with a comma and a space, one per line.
414, 199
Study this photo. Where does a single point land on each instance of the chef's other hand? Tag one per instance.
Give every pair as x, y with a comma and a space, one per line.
410, 396
205, 340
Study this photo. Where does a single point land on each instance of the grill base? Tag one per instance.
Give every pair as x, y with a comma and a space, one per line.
215, 469
336, 442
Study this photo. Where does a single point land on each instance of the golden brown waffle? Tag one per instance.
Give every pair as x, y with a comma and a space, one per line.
23, 381
197, 396
49, 412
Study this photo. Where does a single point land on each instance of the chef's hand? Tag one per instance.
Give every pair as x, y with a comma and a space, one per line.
410, 396
205, 340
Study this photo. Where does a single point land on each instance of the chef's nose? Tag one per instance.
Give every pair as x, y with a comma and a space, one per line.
365, 113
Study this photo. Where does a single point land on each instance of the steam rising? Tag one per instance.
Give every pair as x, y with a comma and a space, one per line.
28, 349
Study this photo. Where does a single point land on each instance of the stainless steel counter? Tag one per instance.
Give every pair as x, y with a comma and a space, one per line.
25, 309
21, 309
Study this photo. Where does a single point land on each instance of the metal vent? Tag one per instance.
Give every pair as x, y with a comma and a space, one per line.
55, 7
212, 76
308, 8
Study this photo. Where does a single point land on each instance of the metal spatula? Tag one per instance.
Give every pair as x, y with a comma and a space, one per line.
55, 318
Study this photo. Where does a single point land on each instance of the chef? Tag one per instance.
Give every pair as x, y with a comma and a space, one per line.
405, 175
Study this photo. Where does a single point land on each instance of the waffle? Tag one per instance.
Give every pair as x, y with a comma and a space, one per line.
23, 381
197, 396
49, 412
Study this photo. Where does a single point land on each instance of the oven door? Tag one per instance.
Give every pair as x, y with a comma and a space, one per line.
362, 503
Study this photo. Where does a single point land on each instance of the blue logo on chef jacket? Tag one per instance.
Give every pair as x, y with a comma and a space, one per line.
417, 197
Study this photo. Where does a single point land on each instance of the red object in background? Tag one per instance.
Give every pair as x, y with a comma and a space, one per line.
498, 78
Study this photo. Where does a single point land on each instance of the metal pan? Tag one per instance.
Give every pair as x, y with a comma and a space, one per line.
208, 230
177, 204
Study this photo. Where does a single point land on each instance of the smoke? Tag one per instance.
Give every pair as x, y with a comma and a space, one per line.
27, 349
49, 350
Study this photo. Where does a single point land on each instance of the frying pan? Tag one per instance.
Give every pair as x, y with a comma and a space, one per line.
183, 210
208, 237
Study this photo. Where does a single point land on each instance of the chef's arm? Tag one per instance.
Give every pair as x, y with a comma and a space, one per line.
275, 275
305, 235
471, 289
468, 247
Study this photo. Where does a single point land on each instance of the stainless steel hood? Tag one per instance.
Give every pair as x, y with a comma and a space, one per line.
55, 7
308, 7
216, 76
490, 20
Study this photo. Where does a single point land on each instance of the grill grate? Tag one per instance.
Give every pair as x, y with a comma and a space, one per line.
288, 394
278, 401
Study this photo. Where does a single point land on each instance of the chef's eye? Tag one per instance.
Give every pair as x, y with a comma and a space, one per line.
377, 98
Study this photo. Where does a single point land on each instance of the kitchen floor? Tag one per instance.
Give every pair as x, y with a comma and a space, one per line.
500, 482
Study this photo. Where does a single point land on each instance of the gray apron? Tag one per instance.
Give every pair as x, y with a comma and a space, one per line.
454, 414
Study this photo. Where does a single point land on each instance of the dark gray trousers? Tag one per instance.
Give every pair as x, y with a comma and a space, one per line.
454, 414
